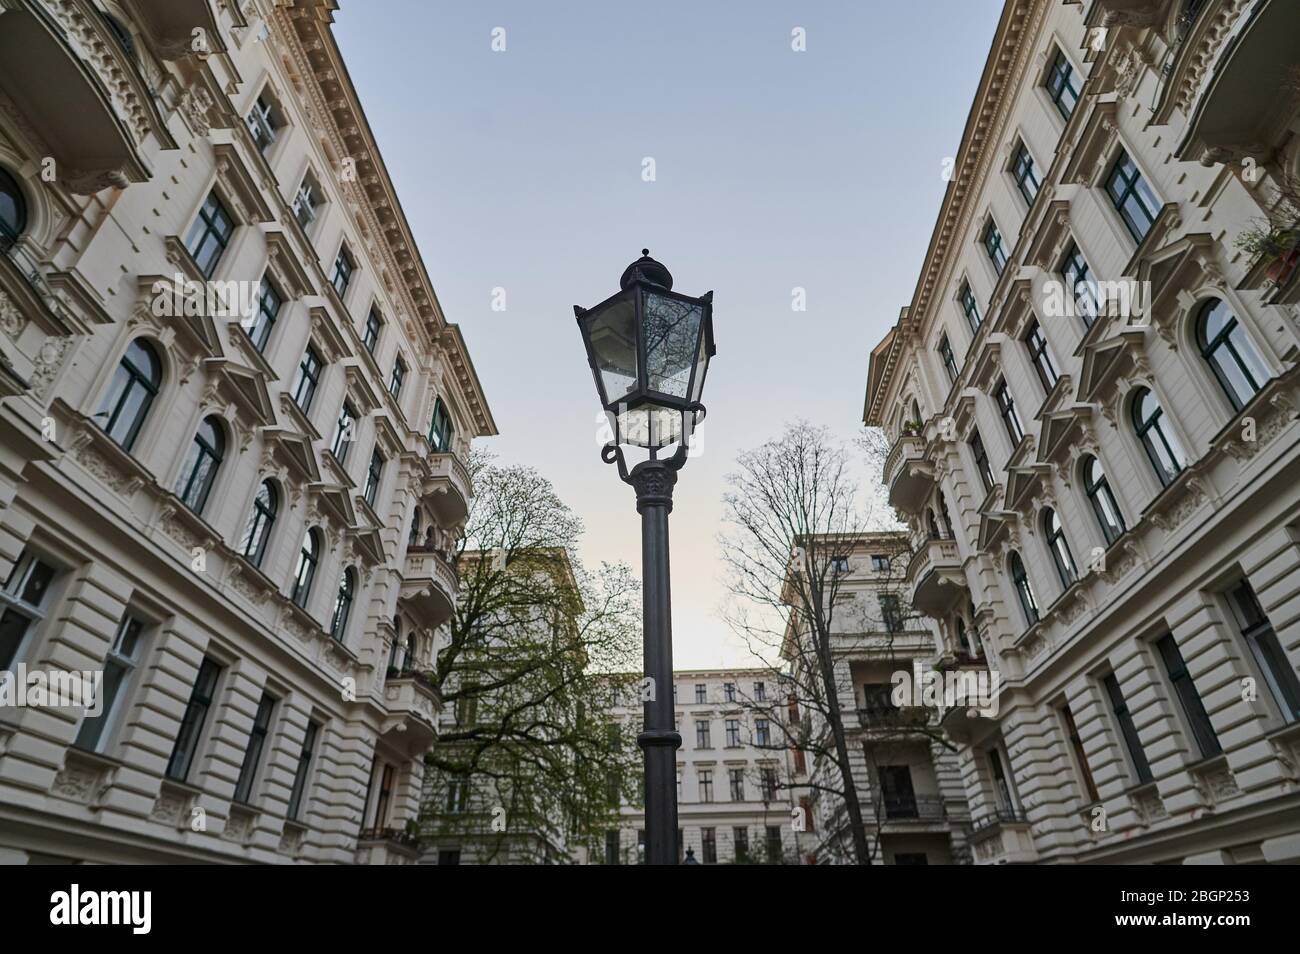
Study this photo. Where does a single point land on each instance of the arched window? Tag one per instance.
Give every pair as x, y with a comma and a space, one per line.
1059, 547
131, 393
1161, 446
305, 572
1023, 591
1102, 500
343, 604
441, 430
414, 538
258, 531
201, 465
1229, 353
13, 210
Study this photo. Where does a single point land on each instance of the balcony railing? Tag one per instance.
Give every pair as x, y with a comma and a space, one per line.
394, 836
997, 818
921, 808
906, 474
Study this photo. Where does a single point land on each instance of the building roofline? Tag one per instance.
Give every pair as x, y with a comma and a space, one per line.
988, 98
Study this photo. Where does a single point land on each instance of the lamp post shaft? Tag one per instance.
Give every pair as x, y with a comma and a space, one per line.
659, 740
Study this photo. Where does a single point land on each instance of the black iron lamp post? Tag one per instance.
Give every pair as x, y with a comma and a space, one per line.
649, 349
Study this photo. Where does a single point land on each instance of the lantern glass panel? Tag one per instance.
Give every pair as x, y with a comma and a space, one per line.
701, 365
649, 425
612, 334
672, 339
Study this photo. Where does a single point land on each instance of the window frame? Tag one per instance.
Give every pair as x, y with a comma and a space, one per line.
1024, 589
1040, 355
206, 225
1144, 425
1138, 763
1022, 169
310, 368
994, 246
189, 734
1063, 70
151, 386
201, 452
1133, 188
1224, 339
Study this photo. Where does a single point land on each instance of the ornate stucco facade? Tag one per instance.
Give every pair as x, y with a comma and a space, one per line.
904, 770
734, 777
243, 520
1118, 521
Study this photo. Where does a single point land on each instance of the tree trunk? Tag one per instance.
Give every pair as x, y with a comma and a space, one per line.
836, 719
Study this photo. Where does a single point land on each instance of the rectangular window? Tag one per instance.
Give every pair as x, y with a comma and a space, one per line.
210, 234
982, 460
896, 791
891, 612
1132, 197
1001, 784
374, 324
760, 692
398, 379
702, 740
969, 307
740, 839
256, 744
23, 600
385, 798
736, 780
449, 856
611, 848
196, 713
123, 659
700, 691
840, 566
1041, 355
733, 733
879, 563
304, 386
1080, 757
259, 324
1124, 719
1207, 741
1010, 418
773, 838
706, 785
729, 691
1266, 650
343, 432
762, 732
303, 770
457, 794
767, 779
1062, 86
264, 122
709, 844
440, 428
949, 362
992, 241
342, 276
1078, 282
374, 474
307, 201
1022, 170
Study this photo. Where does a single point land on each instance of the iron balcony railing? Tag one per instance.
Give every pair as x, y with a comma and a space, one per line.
999, 816
921, 808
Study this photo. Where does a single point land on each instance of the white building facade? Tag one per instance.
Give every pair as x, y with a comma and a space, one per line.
241, 517
906, 776
734, 781
1092, 399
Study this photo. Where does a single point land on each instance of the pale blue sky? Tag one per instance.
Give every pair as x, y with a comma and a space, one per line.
775, 169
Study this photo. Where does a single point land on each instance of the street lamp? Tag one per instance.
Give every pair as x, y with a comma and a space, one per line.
649, 349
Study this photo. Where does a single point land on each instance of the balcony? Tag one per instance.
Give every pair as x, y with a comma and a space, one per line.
173, 23
387, 846
907, 475
1002, 838
936, 577
91, 114
412, 720
448, 489
914, 808
429, 585
1243, 106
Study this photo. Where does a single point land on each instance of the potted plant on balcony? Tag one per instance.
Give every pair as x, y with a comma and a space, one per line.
1278, 245
913, 428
